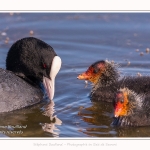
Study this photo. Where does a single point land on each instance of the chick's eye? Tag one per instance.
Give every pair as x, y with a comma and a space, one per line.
119, 97
96, 70
121, 100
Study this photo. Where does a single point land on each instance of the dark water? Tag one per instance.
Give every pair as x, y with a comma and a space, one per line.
79, 39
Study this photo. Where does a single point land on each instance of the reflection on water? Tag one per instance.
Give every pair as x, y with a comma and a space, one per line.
53, 120
97, 116
19, 123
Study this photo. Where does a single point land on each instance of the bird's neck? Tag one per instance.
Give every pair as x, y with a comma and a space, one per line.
108, 78
29, 79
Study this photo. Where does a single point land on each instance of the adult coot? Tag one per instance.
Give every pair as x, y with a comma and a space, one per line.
29, 62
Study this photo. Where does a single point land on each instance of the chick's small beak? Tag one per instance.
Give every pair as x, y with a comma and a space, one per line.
83, 76
118, 109
49, 84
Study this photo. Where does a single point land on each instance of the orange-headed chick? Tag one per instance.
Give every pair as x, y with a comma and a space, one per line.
103, 75
131, 109
106, 81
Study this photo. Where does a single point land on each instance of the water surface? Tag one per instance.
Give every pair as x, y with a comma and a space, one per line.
79, 39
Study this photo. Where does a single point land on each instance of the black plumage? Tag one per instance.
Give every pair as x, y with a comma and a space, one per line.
15, 93
30, 58
28, 62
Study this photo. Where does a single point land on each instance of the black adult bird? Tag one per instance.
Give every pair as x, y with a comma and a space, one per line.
105, 78
131, 109
29, 62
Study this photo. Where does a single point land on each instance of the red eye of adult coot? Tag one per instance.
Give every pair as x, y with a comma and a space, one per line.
44, 66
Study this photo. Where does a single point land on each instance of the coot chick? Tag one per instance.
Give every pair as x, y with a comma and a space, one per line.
131, 109
105, 78
29, 62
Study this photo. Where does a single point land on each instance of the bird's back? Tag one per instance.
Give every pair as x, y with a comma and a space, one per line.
137, 84
15, 93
